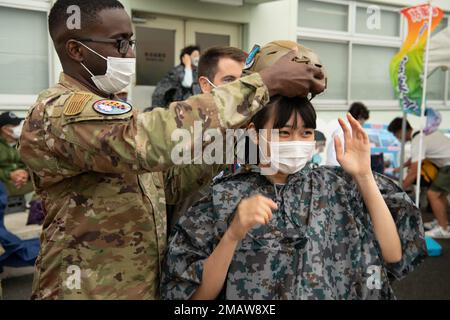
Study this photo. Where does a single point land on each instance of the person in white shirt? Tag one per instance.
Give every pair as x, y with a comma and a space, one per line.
436, 148
360, 112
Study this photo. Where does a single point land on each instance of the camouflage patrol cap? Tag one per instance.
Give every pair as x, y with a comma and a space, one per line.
261, 58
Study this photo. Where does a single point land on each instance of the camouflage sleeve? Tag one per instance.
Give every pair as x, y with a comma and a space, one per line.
138, 142
191, 243
181, 181
409, 224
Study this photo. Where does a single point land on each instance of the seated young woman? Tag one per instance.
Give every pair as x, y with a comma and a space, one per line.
304, 232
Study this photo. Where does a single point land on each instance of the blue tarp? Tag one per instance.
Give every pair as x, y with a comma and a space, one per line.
18, 253
433, 248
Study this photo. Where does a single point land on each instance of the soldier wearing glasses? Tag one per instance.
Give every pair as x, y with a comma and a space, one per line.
103, 169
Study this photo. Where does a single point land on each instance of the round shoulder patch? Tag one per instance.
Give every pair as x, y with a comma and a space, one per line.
112, 107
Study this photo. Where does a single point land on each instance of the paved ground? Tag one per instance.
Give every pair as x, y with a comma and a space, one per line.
17, 288
430, 281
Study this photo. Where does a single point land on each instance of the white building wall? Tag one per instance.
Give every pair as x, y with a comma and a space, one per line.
262, 23
272, 21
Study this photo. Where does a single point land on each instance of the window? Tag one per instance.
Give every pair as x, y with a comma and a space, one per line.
322, 15
370, 73
381, 23
334, 56
448, 87
435, 85
436, 82
357, 53
23, 51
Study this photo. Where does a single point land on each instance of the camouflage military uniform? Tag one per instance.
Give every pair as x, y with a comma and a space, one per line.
105, 221
169, 89
320, 243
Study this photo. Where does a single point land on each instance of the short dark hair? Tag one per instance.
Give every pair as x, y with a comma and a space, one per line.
89, 9
283, 108
209, 60
396, 125
359, 111
319, 136
188, 50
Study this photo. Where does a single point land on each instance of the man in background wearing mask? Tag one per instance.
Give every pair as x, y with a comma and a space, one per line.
218, 66
13, 171
181, 82
98, 163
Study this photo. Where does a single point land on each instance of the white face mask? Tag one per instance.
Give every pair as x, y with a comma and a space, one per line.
17, 131
119, 73
212, 84
289, 157
195, 61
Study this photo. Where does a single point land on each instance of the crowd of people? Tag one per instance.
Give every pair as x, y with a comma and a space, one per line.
121, 220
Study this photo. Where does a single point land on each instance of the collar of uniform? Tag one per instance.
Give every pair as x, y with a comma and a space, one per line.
75, 85
292, 177
71, 83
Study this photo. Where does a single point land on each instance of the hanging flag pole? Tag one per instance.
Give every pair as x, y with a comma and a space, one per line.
424, 92
402, 150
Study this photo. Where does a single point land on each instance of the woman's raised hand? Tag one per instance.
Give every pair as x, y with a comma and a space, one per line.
354, 158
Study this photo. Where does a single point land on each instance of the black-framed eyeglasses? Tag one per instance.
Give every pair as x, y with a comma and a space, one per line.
122, 45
